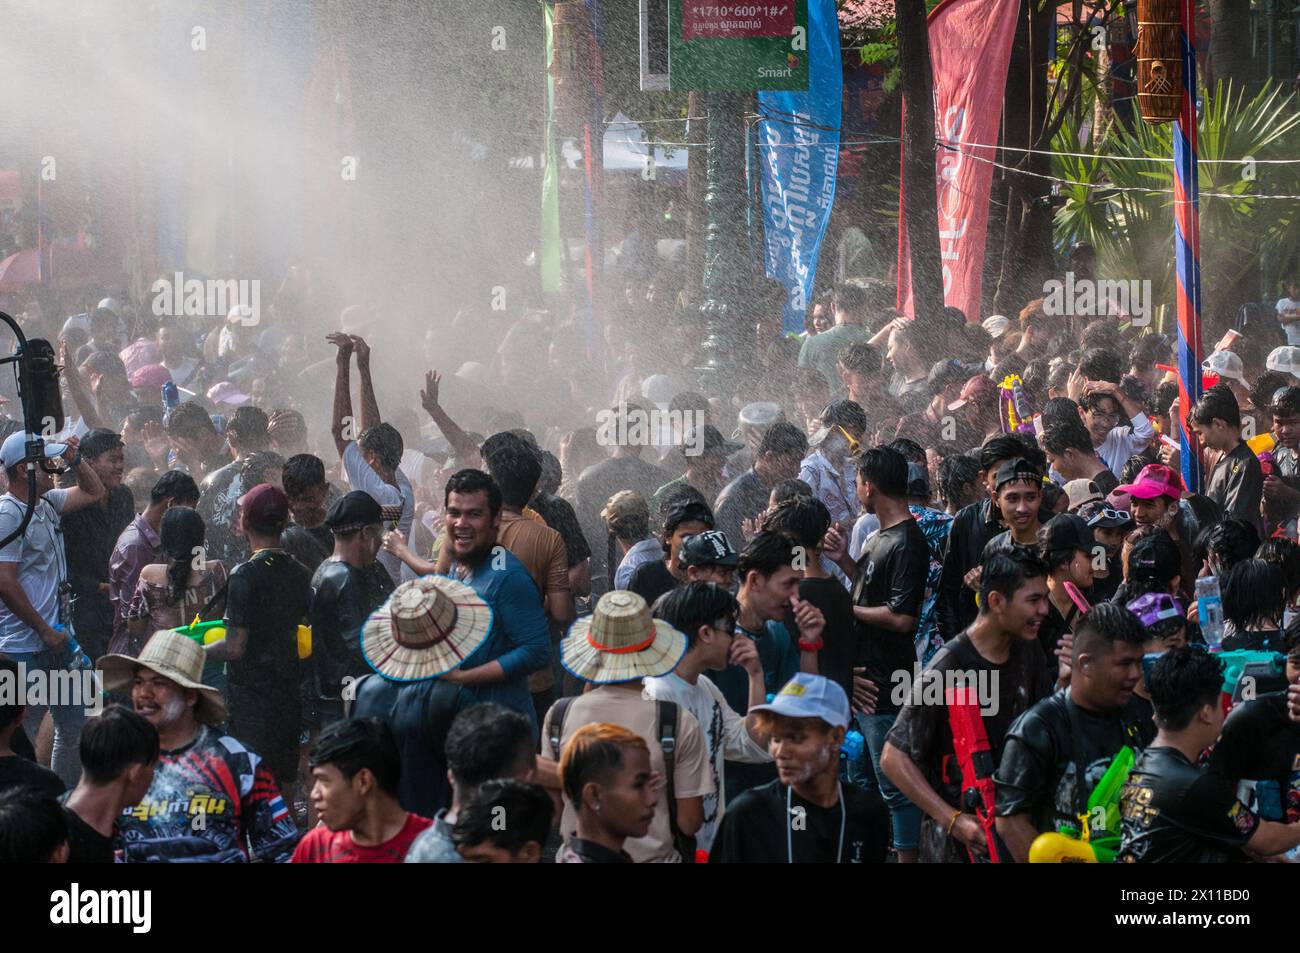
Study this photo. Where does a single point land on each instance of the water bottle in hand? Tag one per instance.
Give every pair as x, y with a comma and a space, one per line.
1209, 610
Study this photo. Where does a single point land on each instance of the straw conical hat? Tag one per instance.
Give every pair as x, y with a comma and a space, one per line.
173, 656
620, 642
427, 627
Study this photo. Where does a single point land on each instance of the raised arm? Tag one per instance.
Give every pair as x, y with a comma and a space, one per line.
342, 388
77, 388
466, 451
89, 489
370, 416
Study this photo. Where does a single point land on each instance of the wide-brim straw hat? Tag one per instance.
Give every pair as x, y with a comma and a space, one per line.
172, 656
427, 627
621, 642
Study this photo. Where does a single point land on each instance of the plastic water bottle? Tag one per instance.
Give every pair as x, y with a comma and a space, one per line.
1209, 609
853, 745
171, 398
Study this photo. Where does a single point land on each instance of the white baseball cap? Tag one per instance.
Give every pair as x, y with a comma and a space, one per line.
996, 325
1285, 359
810, 696
1224, 364
14, 450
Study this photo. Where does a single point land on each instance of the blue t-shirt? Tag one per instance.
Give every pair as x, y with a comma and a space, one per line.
520, 638
780, 657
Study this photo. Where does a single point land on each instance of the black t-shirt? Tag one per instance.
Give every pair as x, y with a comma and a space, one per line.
924, 731
1053, 627
763, 827
1254, 640
891, 572
16, 771
342, 599
269, 595
1237, 484
840, 646
1176, 813
559, 516
85, 844
651, 580
1037, 774
1141, 714
1260, 743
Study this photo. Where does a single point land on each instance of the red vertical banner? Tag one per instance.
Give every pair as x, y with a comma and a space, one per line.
970, 48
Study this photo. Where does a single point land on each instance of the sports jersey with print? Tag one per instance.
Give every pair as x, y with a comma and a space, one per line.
212, 801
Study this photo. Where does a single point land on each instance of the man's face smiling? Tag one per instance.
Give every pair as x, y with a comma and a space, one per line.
471, 525
1018, 502
158, 699
1027, 609
1102, 418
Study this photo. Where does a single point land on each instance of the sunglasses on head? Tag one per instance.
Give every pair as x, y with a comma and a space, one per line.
1106, 513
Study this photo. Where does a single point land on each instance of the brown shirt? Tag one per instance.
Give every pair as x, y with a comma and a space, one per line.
627, 708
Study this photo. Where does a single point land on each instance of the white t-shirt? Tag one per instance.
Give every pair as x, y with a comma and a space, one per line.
362, 477
183, 371
725, 735
1290, 308
42, 566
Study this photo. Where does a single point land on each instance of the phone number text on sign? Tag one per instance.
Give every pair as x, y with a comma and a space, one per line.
712, 20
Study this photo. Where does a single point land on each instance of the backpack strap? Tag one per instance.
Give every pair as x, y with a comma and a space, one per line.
558, 711
666, 713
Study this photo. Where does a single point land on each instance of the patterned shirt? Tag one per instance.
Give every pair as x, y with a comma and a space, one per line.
212, 801
935, 525
833, 485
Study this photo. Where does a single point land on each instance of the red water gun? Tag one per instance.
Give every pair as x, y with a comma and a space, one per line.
970, 742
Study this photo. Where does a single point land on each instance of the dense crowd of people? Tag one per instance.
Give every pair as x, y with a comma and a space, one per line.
892, 589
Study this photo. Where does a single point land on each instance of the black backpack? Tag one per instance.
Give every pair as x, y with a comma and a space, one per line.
667, 718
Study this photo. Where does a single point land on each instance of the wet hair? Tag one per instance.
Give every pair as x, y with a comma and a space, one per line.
32, 826
687, 512
804, 519
301, 472
516, 470
474, 481
593, 755
181, 533
1103, 625
859, 358
485, 742
385, 442
1217, 403
551, 476
783, 439
1154, 560
1000, 448
1067, 435
113, 741
1182, 682
1147, 351
885, 469
527, 807
175, 485
499, 441
1283, 553
1287, 404
789, 489
1092, 402
1050, 495
1058, 410
955, 472
100, 441
258, 465
248, 426
189, 421
1101, 364
137, 418
912, 451
850, 298
1132, 467
679, 495
765, 553
1262, 391
1230, 541
1254, 593
695, 604
1006, 573
1058, 377
354, 744
1165, 394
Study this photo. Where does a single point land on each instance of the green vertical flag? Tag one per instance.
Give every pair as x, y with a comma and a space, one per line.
551, 245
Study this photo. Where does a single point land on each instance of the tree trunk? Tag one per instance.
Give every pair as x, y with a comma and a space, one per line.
920, 202
1229, 42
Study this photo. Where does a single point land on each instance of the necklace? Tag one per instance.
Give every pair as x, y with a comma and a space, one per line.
789, 828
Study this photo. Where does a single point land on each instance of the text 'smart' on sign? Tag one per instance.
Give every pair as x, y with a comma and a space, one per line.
748, 45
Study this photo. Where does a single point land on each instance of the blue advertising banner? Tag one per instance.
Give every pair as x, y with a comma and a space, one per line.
799, 145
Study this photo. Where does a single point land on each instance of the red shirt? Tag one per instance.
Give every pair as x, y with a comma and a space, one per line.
324, 846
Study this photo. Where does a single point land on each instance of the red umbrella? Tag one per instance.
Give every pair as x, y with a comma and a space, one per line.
20, 270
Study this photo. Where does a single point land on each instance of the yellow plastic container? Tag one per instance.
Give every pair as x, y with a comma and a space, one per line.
1056, 848
304, 642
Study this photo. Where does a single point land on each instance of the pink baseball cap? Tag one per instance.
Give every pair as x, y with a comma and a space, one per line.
150, 375
1155, 480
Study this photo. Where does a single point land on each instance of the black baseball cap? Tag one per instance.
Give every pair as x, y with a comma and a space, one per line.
711, 548
1017, 469
353, 511
1066, 531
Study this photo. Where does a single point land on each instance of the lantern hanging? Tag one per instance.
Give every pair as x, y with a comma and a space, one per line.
1159, 60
